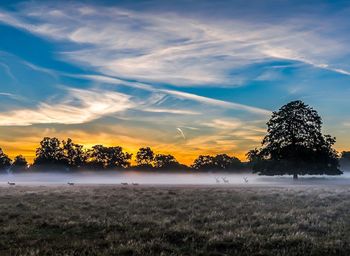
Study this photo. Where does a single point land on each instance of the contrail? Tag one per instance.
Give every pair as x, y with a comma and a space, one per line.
181, 132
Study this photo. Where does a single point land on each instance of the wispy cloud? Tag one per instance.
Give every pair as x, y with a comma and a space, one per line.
138, 61
178, 94
171, 111
238, 130
8, 71
181, 133
235, 123
174, 48
11, 96
79, 106
219, 103
6, 94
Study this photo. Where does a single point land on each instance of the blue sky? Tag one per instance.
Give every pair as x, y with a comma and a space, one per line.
136, 73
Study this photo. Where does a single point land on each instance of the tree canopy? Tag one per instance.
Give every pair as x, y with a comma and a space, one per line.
163, 161
19, 163
294, 144
74, 154
5, 161
218, 162
145, 157
108, 157
50, 152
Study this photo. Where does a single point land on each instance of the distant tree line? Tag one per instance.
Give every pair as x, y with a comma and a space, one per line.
56, 155
293, 145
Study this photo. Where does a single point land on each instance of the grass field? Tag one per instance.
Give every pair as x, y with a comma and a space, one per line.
143, 220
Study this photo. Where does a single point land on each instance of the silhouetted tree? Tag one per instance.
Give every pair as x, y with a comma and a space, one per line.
166, 162
225, 162
5, 161
50, 152
295, 145
253, 155
218, 162
203, 163
19, 163
74, 154
108, 157
145, 157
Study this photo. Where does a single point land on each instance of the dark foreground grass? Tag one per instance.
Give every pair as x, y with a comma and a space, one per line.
109, 220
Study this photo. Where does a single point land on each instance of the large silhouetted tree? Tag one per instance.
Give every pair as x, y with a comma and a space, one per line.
145, 157
5, 161
294, 144
108, 157
74, 154
50, 153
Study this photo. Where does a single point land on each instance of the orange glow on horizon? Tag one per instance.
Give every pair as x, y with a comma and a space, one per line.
185, 157
185, 151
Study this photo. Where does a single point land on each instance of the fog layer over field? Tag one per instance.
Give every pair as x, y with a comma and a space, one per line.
147, 178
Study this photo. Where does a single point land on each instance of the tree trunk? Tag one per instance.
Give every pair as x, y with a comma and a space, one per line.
295, 176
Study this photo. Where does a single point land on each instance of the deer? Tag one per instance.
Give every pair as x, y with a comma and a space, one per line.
217, 180
11, 183
70, 183
225, 180
245, 179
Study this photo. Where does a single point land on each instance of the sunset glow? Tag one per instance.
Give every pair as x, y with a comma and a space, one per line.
182, 77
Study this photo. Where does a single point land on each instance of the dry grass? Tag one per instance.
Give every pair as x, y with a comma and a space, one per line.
114, 220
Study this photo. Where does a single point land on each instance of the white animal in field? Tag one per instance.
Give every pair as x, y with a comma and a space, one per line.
225, 180
70, 183
245, 179
217, 180
11, 183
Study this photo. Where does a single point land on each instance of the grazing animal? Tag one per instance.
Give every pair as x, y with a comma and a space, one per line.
70, 183
11, 183
135, 184
245, 179
225, 180
124, 183
217, 180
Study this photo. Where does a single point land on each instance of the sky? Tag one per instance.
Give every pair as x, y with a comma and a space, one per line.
183, 77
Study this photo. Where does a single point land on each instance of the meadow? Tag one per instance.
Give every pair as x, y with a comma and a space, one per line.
174, 220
